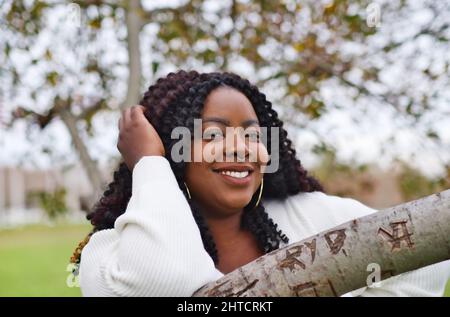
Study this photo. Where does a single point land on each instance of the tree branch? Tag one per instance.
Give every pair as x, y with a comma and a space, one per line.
334, 262
134, 25
92, 171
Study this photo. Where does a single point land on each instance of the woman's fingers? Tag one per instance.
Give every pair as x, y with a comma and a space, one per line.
128, 119
125, 119
137, 112
130, 115
137, 137
123, 116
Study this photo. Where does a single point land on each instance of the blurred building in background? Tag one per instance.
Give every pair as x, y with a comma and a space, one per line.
27, 196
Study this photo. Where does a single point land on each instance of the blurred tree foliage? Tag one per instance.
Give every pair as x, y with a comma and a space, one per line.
338, 178
293, 47
360, 180
53, 203
414, 184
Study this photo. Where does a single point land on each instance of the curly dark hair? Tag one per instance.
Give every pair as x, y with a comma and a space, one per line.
177, 100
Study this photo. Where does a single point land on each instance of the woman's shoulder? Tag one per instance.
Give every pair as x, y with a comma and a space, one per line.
320, 203
315, 211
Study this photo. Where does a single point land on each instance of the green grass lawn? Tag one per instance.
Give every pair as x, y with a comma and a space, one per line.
34, 259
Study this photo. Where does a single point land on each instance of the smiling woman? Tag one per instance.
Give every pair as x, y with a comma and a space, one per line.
167, 227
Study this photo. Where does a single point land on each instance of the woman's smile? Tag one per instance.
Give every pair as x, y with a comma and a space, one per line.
235, 174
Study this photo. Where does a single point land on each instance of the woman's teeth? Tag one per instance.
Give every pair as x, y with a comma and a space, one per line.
235, 174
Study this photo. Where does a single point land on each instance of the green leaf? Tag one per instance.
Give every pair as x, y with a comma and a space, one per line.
433, 135
52, 78
48, 55
155, 67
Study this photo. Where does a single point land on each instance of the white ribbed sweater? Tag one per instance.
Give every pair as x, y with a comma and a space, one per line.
155, 248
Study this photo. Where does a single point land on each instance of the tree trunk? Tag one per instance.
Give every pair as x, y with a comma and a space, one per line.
134, 25
90, 166
398, 239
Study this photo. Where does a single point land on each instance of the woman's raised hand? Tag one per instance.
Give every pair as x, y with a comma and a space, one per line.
137, 137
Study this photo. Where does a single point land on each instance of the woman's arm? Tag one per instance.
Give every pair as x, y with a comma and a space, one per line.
155, 248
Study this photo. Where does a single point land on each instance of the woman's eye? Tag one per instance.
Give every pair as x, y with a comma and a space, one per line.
252, 136
212, 135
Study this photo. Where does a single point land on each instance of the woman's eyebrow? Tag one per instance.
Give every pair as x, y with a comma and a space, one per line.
226, 122
250, 122
218, 120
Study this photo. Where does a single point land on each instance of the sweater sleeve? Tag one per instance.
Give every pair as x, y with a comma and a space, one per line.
155, 247
427, 281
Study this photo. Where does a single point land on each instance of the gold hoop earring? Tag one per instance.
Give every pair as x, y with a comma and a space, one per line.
260, 192
187, 189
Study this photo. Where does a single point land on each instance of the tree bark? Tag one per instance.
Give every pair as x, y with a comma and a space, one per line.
399, 239
134, 25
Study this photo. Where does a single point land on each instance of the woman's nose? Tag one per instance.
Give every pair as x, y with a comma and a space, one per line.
236, 145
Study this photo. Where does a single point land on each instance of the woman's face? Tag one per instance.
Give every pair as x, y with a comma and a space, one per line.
226, 170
